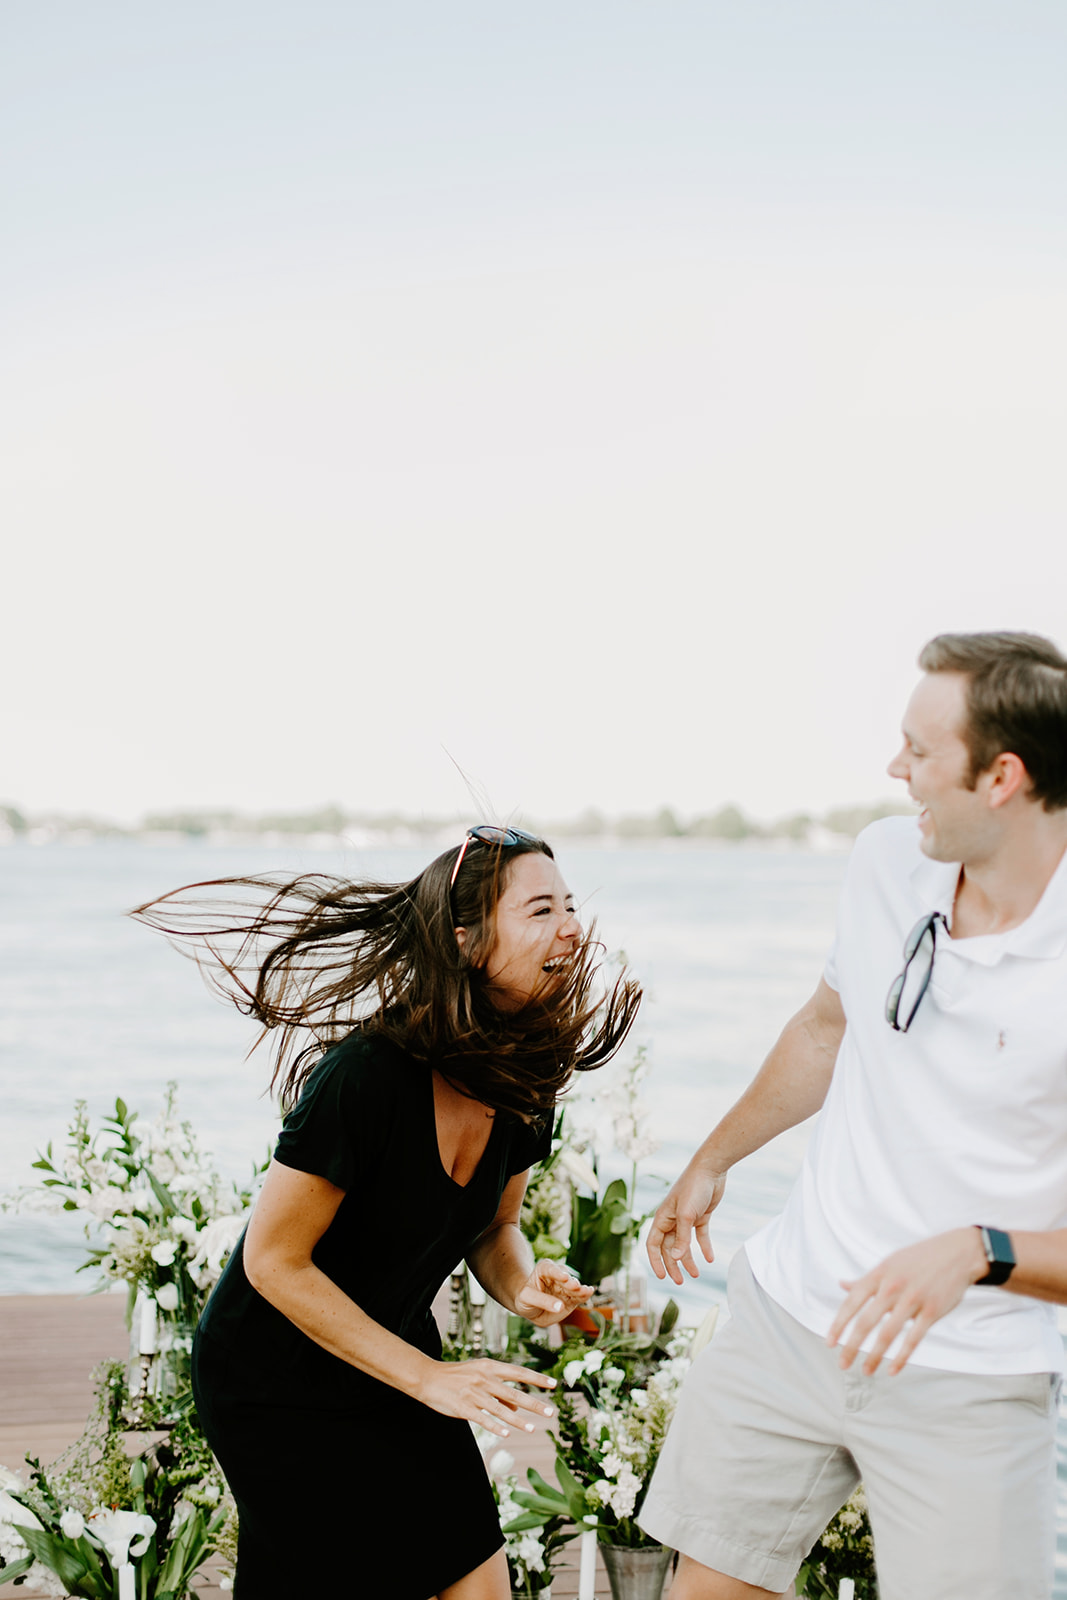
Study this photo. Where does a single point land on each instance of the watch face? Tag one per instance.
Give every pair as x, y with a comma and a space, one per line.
999, 1254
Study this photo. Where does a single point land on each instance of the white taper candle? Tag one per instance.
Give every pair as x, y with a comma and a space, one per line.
587, 1569
126, 1583
146, 1331
846, 1589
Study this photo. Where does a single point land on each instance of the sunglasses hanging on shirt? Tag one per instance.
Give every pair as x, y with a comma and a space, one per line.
908, 987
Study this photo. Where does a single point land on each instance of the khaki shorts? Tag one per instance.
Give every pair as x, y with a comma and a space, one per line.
771, 1437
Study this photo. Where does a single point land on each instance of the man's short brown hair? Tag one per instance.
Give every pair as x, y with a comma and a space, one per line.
1016, 702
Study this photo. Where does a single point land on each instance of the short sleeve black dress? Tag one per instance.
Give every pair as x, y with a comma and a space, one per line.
343, 1484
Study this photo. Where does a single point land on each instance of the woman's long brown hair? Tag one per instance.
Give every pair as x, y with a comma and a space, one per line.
321, 956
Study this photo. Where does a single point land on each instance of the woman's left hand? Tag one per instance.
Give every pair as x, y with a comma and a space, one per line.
549, 1294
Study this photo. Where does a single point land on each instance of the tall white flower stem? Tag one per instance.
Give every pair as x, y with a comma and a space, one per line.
629, 1252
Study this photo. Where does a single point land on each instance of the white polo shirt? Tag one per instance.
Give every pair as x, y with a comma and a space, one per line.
963, 1119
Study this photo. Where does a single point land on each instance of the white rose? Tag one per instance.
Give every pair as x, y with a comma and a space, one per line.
613, 1374
501, 1463
572, 1372
594, 1361
72, 1524
164, 1252
167, 1297
183, 1228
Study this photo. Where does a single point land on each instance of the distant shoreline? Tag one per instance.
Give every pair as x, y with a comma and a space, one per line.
331, 828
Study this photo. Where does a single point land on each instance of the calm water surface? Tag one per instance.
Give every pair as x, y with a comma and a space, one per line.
727, 942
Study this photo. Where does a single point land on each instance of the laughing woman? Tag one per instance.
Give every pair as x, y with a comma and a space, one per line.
445, 1017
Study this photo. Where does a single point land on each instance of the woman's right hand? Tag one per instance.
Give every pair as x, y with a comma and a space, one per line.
482, 1391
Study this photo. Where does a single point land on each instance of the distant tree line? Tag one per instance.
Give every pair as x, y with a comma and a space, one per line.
728, 825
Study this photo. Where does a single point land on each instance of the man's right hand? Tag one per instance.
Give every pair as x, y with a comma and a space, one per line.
685, 1211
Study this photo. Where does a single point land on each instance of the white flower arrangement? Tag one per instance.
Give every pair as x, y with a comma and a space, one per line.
532, 1538
617, 1400
163, 1221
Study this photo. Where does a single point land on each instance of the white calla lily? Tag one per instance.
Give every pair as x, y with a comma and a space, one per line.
19, 1516
704, 1333
578, 1169
123, 1534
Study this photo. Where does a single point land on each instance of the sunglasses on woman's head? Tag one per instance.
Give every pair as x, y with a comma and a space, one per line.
486, 833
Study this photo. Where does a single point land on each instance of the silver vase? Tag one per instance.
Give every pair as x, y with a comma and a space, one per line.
636, 1573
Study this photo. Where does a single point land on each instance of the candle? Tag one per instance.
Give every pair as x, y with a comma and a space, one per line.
477, 1293
846, 1589
146, 1341
587, 1569
126, 1584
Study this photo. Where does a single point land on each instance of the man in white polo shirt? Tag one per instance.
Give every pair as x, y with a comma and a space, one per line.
890, 1324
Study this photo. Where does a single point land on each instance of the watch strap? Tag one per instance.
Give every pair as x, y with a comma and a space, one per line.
999, 1253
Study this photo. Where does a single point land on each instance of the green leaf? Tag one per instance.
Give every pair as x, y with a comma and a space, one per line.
162, 1193
65, 1562
120, 1111
184, 1555
572, 1489
520, 1524
15, 1569
544, 1505
534, 1477
668, 1318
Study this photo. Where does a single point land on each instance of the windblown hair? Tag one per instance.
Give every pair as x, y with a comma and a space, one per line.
321, 956
1016, 702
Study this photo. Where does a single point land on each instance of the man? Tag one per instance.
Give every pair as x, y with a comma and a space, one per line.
930, 1216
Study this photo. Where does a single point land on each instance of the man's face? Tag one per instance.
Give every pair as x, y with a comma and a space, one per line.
955, 822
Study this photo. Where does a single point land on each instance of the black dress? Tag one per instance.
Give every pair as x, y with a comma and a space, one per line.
343, 1484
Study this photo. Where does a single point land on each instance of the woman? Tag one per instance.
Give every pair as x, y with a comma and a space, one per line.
454, 1009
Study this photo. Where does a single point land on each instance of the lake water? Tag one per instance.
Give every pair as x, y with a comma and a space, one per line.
727, 942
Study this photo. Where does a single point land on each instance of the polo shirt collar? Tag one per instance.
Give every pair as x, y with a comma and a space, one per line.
1043, 935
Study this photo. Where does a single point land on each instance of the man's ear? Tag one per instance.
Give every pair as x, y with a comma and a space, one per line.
461, 937
1008, 776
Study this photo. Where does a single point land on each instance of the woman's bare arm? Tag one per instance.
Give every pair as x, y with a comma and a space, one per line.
293, 1212
503, 1263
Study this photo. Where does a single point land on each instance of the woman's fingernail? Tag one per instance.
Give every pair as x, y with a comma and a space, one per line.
557, 1305
551, 1383
528, 1426
548, 1411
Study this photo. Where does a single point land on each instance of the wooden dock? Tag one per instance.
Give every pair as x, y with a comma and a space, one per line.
49, 1345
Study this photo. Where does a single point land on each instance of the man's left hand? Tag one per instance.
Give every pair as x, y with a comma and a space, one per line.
906, 1294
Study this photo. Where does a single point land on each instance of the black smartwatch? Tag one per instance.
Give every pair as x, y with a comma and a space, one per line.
999, 1254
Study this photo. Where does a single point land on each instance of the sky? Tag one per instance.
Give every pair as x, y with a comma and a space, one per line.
485, 406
